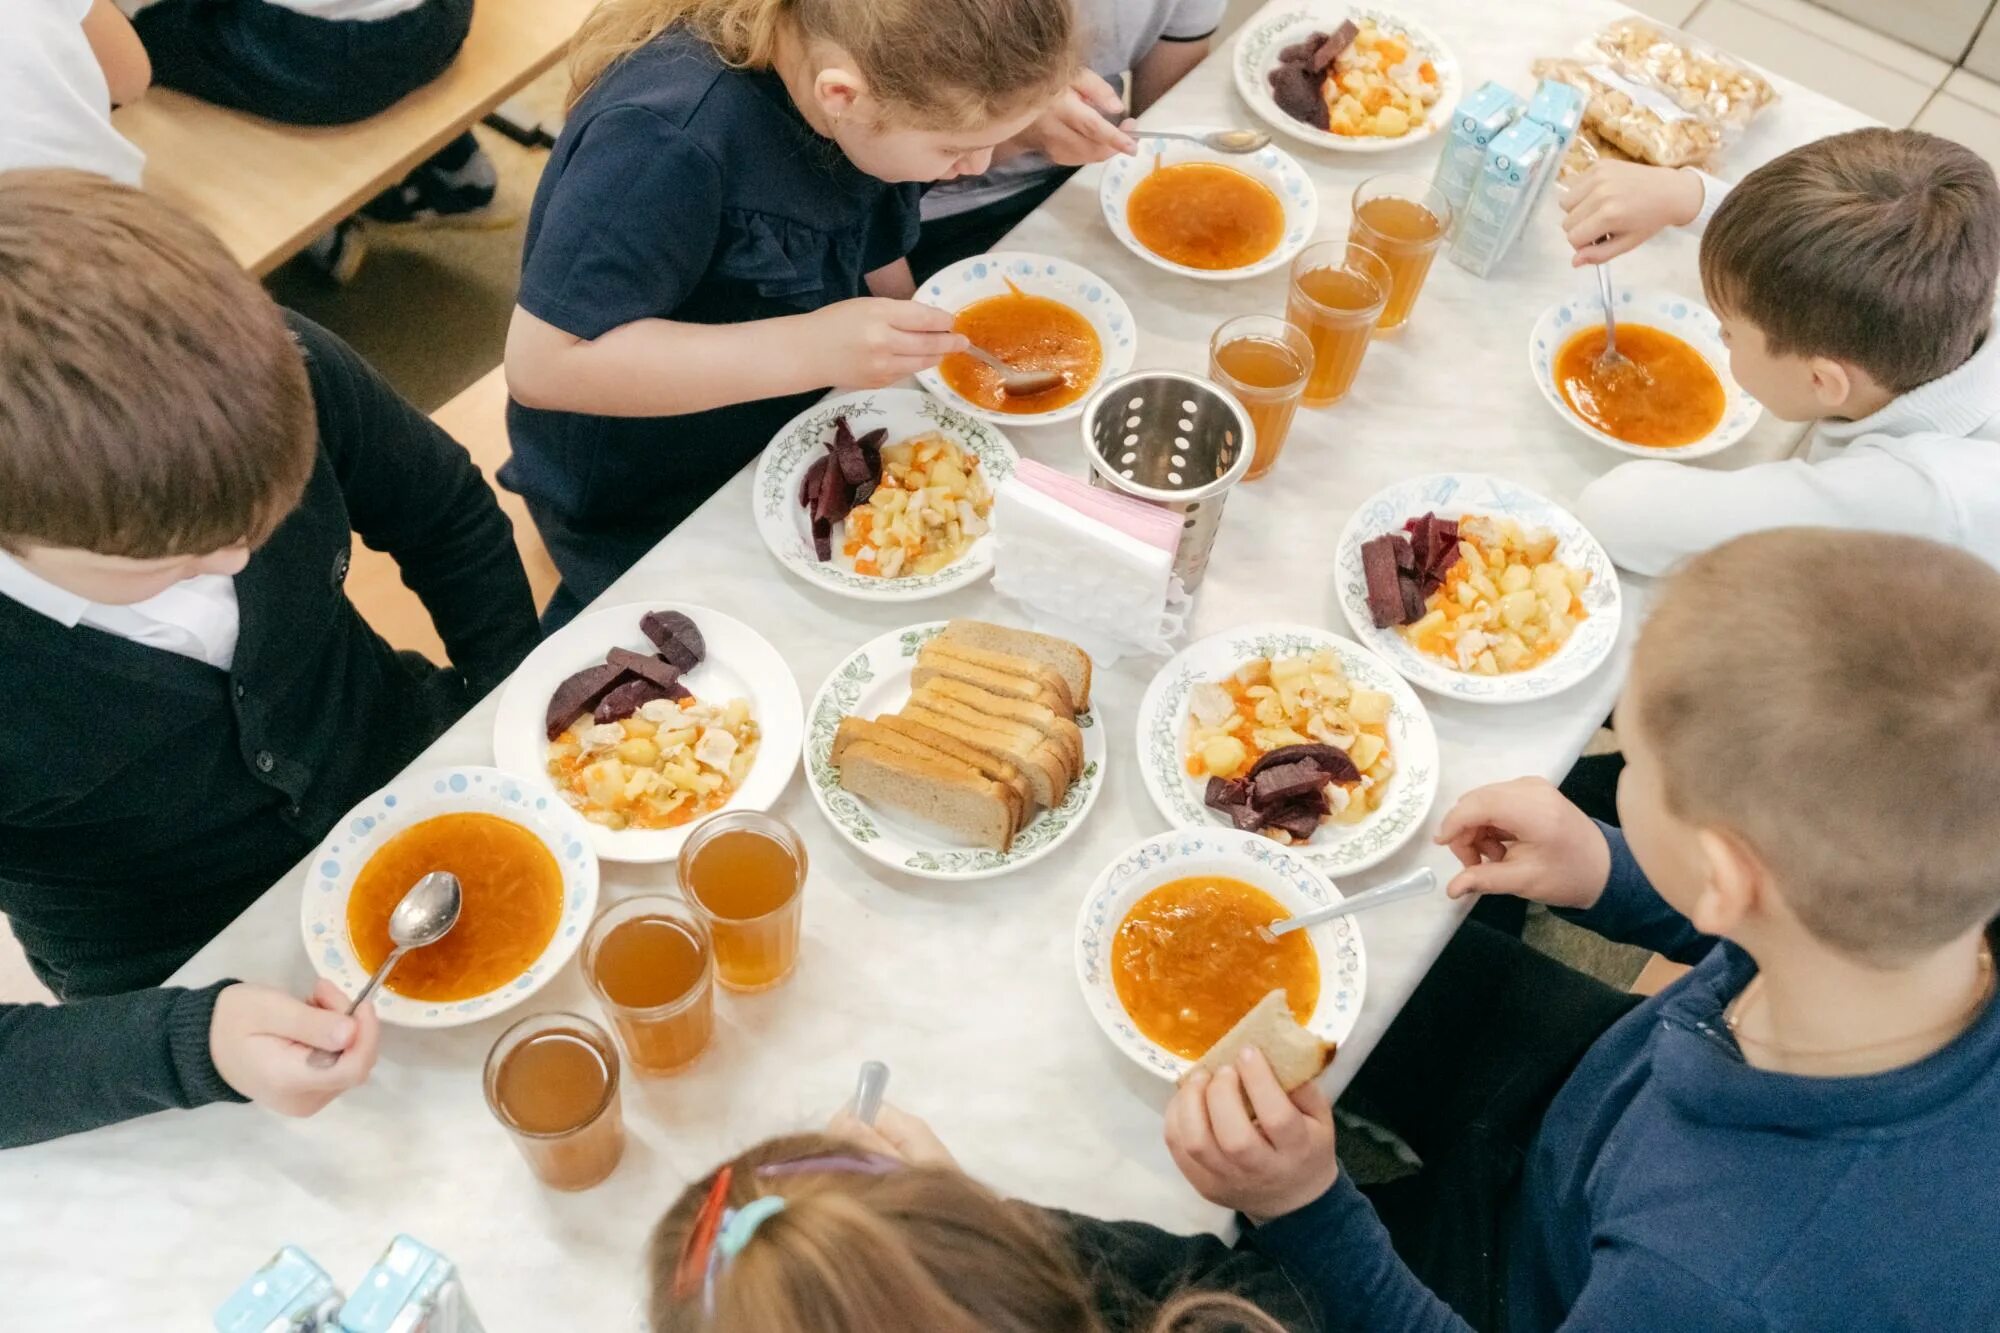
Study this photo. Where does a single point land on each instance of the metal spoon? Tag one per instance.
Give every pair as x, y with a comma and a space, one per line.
1611, 362
868, 1091
1016, 383
1221, 141
1409, 886
426, 914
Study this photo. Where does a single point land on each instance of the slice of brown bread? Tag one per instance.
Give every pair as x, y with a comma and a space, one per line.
1036, 758
1064, 733
1011, 663
940, 792
943, 701
1002, 771
1068, 660
856, 731
934, 665
1296, 1055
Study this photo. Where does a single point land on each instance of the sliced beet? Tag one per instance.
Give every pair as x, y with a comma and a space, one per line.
863, 491
579, 694
848, 455
1296, 818
1385, 586
675, 636
833, 502
1413, 596
658, 670
1245, 816
1222, 793
822, 539
1330, 50
1281, 782
627, 699
1296, 90
871, 449
1331, 761
809, 488
1301, 51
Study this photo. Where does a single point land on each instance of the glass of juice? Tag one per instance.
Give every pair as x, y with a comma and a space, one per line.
552, 1080
745, 872
650, 964
1403, 219
1338, 290
1264, 361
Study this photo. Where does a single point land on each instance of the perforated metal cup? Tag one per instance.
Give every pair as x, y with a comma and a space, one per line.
1173, 440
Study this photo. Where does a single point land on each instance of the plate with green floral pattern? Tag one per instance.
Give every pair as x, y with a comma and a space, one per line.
905, 414
875, 679
1190, 696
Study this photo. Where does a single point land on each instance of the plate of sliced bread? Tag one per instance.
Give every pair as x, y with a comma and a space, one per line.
956, 749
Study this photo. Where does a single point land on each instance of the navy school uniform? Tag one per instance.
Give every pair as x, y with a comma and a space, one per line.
680, 189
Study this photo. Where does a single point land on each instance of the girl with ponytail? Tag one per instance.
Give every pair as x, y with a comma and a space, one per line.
874, 1229
720, 235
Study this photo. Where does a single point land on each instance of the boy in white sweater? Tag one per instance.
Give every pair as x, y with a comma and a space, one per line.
1854, 280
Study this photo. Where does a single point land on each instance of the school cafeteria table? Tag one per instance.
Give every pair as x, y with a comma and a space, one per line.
967, 991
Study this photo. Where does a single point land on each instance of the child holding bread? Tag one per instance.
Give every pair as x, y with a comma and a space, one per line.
720, 236
1797, 1133
875, 1227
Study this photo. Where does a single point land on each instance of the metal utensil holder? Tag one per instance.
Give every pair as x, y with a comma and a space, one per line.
1174, 440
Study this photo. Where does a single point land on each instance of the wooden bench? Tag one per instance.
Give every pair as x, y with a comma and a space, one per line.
268, 189
477, 419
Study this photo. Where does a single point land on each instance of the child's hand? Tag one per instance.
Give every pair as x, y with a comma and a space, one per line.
1524, 838
871, 342
1073, 132
1617, 206
259, 1039
1263, 1167
895, 1134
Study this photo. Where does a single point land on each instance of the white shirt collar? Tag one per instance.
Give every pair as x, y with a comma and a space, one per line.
38, 594
1957, 403
196, 618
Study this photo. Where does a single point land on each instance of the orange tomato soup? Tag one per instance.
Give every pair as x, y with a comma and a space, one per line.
1675, 398
1204, 215
512, 898
1187, 961
1028, 333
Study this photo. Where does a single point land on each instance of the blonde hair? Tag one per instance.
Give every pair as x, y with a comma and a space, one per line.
152, 400
860, 1251
1833, 699
942, 64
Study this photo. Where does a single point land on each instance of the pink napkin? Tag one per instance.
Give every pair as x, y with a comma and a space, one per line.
1148, 523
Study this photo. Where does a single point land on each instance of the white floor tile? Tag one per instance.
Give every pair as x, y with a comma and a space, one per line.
1851, 36
1846, 76
1969, 87
1975, 127
1675, 12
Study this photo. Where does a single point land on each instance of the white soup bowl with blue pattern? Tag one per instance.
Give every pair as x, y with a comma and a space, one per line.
404, 803
1073, 285
1249, 857
1690, 321
1270, 166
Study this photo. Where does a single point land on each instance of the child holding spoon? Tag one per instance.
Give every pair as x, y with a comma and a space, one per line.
720, 233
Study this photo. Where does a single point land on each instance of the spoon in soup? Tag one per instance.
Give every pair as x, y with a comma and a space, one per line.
1016, 383
424, 916
1409, 886
1220, 141
1616, 369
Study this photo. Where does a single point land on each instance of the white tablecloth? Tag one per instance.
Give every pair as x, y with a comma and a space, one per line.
967, 991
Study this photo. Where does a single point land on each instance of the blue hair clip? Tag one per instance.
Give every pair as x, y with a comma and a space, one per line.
738, 1226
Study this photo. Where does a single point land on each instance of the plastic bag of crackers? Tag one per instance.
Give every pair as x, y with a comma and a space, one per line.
1698, 78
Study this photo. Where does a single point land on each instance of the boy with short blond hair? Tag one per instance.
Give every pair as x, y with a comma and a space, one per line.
188, 698
1854, 279
1799, 1133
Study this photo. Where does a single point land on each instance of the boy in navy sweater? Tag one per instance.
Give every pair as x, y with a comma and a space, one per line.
1800, 1133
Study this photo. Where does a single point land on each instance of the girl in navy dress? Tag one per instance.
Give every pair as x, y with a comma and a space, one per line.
720, 235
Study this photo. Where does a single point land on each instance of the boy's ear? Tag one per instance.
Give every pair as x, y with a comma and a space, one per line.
1833, 382
838, 90
1734, 883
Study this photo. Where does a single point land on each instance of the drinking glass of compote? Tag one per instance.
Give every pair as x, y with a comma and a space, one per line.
650, 964
745, 873
1265, 362
1403, 219
552, 1080
1339, 288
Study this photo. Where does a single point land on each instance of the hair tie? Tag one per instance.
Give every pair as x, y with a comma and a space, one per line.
738, 1226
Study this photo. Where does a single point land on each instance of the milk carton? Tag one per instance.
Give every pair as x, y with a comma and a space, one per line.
1478, 118
290, 1294
411, 1289
1518, 163
1559, 106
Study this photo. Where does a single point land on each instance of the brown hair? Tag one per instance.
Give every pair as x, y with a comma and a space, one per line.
913, 1247
152, 401
1833, 699
1876, 247
944, 64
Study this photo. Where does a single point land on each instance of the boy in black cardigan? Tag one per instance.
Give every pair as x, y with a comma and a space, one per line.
188, 698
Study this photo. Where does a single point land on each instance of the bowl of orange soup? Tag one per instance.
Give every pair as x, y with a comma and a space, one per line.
1034, 312
1169, 954
1190, 210
525, 868
1675, 401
